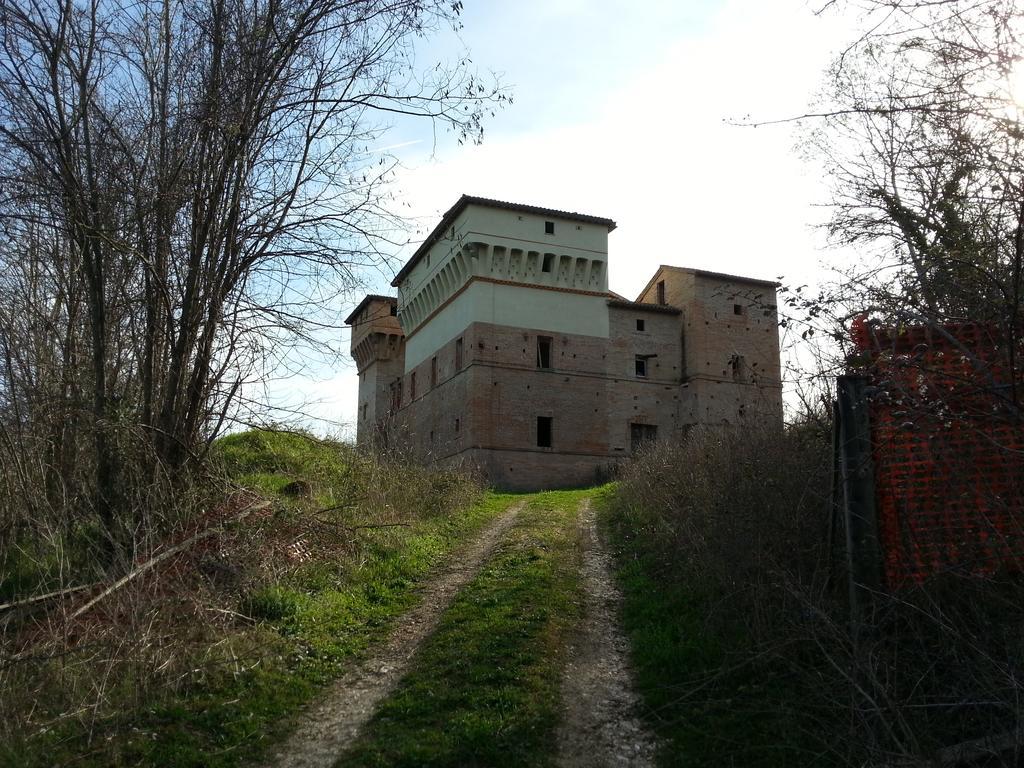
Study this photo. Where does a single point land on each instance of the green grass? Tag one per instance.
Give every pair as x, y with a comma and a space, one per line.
484, 689
241, 691
266, 461
711, 702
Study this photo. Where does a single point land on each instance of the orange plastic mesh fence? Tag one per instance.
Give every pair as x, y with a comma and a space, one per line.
948, 448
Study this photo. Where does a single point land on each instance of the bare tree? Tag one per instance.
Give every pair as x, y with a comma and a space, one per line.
182, 187
922, 138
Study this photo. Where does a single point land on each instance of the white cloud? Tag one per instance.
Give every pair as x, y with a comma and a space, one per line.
655, 154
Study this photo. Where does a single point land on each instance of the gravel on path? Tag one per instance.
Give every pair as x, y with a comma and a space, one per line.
601, 727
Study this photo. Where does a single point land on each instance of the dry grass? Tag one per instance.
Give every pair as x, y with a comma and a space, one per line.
231, 612
727, 552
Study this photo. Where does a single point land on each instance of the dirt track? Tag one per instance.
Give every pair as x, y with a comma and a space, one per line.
329, 727
601, 727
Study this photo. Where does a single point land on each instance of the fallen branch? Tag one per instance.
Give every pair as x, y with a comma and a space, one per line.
165, 555
48, 596
970, 752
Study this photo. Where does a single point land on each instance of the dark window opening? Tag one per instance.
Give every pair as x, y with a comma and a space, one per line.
642, 433
737, 309
738, 363
641, 365
549, 262
433, 372
543, 351
639, 325
394, 310
661, 291
549, 227
457, 424
544, 431
458, 354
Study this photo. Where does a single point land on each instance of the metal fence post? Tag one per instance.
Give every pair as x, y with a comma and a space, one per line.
857, 476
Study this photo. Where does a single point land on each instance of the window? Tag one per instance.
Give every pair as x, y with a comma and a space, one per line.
544, 431
639, 324
396, 394
642, 433
737, 309
549, 262
412, 386
365, 406
549, 227
433, 372
458, 354
543, 351
738, 363
640, 362
661, 291
394, 310
457, 425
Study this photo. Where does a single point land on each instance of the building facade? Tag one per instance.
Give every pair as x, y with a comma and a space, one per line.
505, 349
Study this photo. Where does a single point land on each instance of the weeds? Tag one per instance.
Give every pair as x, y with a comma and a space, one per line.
743, 638
200, 662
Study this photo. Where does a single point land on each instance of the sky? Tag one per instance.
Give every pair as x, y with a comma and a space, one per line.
625, 110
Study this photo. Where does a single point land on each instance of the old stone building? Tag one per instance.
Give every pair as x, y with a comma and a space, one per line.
505, 348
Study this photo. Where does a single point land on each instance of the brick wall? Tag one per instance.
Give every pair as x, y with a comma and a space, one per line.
712, 359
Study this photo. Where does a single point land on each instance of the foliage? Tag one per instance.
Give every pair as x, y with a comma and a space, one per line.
185, 190
920, 131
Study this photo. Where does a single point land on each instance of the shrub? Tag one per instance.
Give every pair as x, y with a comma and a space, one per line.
736, 513
739, 525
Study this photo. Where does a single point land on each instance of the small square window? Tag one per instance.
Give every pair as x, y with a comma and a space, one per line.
737, 309
544, 431
640, 325
549, 227
641, 366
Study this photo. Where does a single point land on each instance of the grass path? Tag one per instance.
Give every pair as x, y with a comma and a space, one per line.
484, 689
329, 728
513, 658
